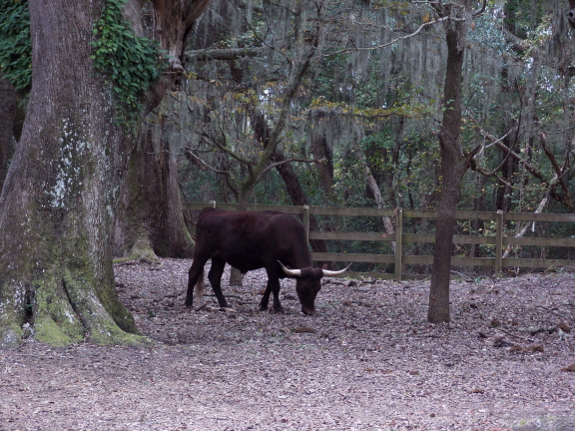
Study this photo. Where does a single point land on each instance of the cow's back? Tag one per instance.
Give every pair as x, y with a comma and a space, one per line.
251, 240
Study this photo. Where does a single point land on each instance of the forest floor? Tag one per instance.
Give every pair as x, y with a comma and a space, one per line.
368, 360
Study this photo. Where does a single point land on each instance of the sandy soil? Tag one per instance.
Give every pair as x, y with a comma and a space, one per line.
368, 360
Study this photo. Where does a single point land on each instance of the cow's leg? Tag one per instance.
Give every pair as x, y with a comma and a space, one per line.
215, 277
273, 286
196, 271
266, 298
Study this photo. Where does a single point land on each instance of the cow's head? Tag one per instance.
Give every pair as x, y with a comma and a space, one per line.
308, 284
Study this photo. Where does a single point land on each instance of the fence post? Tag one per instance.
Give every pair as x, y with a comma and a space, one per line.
305, 220
499, 242
398, 243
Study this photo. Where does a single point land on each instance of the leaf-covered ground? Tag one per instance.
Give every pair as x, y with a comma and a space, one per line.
368, 360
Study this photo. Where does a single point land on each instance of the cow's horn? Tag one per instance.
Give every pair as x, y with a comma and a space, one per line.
328, 273
290, 272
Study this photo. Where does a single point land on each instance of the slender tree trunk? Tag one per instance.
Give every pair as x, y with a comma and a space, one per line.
321, 151
374, 187
505, 183
479, 204
453, 166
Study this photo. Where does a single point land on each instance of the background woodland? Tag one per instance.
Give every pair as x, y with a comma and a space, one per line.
341, 103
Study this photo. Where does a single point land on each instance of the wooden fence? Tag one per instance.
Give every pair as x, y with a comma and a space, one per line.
497, 240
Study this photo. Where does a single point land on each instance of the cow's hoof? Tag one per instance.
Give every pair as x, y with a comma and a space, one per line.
308, 311
279, 310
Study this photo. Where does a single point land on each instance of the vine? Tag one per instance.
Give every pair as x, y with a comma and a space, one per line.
130, 63
15, 43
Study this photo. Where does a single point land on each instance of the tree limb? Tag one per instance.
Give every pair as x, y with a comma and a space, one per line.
480, 11
371, 48
225, 149
228, 54
559, 172
539, 209
498, 142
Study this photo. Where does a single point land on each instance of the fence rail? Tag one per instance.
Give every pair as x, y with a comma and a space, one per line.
498, 240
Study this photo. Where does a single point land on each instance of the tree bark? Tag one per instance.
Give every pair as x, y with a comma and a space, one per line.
571, 13
57, 204
59, 198
453, 164
150, 220
324, 165
505, 182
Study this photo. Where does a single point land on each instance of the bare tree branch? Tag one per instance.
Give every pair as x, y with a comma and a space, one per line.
228, 54
276, 164
383, 45
480, 11
559, 172
225, 149
539, 209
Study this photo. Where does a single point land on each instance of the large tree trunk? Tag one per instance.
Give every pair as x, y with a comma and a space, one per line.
7, 113
150, 220
453, 165
62, 188
57, 205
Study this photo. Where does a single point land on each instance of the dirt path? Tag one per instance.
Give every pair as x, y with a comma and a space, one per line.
367, 361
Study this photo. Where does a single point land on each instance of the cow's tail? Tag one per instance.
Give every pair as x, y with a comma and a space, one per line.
199, 287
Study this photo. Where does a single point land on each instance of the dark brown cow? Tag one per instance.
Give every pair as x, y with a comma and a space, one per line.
252, 240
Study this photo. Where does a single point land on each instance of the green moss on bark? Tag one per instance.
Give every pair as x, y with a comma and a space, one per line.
107, 332
97, 300
46, 330
55, 321
142, 251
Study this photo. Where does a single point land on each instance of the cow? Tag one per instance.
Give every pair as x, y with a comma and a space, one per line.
252, 240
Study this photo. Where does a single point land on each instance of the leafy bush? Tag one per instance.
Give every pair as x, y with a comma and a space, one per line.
131, 63
15, 44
